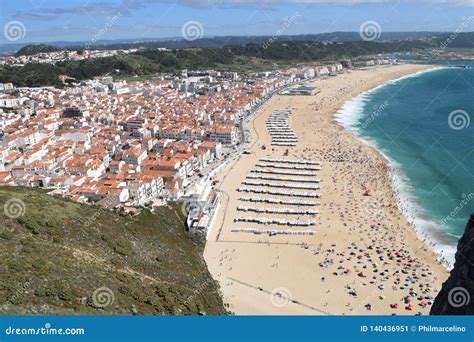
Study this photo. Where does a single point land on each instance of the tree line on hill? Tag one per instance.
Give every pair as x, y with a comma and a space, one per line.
154, 61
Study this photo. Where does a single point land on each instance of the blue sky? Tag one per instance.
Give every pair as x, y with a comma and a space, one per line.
85, 20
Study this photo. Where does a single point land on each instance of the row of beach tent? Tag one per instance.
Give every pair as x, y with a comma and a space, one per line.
278, 126
290, 167
275, 220
295, 178
281, 185
273, 200
289, 173
277, 210
273, 231
283, 179
280, 192
290, 161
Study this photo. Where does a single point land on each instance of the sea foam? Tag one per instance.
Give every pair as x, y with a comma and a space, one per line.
350, 116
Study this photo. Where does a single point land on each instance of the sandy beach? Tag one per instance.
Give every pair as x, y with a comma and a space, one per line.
365, 258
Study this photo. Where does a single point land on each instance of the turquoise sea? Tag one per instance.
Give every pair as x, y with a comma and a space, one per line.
424, 125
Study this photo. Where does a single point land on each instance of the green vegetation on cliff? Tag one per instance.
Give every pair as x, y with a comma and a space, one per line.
61, 257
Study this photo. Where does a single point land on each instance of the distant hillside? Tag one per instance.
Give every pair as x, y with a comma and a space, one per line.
240, 58
219, 41
33, 49
61, 257
462, 40
214, 42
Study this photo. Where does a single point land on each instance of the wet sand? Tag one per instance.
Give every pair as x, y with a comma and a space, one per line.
365, 257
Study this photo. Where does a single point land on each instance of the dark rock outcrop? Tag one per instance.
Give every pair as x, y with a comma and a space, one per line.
457, 293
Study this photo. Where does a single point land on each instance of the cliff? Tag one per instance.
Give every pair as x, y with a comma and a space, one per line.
59, 257
457, 294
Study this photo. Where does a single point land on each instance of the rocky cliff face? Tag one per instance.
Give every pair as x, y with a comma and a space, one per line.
457, 294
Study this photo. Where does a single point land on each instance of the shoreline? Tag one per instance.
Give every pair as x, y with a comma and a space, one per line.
231, 259
406, 200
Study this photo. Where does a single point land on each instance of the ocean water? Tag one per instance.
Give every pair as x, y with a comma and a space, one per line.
424, 125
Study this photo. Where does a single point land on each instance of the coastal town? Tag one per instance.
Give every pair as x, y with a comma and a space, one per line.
60, 56
306, 162
234, 151
131, 144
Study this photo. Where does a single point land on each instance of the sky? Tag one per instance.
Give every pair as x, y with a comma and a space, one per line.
25, 21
